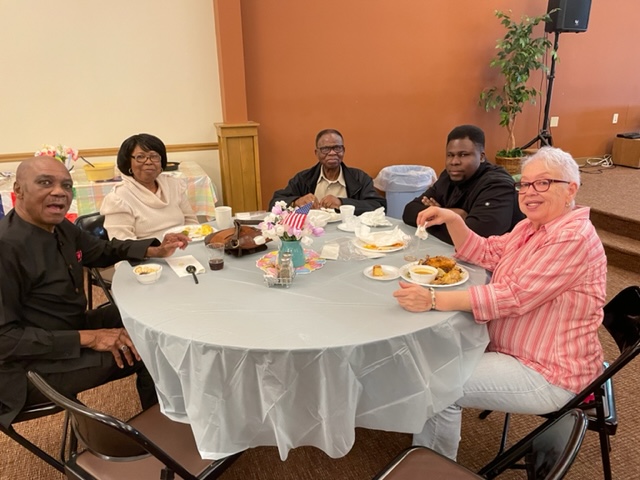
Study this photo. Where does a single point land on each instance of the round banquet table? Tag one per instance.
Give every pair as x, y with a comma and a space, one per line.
247, 365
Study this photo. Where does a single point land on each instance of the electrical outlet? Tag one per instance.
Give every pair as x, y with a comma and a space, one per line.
615, 118
554, 121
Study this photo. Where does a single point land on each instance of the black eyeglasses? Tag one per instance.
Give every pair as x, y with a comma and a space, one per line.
335, 148
142, 158
539, 186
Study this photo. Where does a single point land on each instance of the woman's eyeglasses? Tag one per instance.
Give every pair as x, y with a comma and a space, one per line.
141, 158
539, 186
335, 148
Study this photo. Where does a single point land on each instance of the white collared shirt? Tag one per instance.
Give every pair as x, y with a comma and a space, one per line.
337, 187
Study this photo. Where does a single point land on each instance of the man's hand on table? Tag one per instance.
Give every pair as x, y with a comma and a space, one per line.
309, 197
114, 340
170, 243
330, 201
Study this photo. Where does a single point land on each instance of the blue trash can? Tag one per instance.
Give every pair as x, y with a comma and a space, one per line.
403, 183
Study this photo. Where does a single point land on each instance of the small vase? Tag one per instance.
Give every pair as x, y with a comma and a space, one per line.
297, 252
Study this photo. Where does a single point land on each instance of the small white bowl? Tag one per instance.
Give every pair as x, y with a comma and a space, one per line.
148, 273
423, 273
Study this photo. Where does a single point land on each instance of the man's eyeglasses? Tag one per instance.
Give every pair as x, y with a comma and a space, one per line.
335, 148
142, 158
539, 186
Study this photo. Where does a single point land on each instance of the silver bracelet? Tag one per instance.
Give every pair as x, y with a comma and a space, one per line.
433, 298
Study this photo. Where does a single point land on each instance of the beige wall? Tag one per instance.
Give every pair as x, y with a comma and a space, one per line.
89, 74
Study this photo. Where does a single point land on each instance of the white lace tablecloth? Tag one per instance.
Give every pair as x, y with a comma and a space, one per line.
249, 366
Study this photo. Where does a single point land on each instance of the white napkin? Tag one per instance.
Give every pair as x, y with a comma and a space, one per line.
381, 239
179, 265
421, 232
376, 218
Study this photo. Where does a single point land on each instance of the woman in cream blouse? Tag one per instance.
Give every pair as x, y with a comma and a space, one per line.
146, 204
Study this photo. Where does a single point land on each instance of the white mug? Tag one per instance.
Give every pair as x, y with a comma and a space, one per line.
223, 217
346, 212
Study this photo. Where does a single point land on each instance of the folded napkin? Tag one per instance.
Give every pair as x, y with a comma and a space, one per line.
381, 239
375, 218
179, 265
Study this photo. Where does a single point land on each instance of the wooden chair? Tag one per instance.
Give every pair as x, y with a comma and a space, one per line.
149, 446
546, 453
622, 321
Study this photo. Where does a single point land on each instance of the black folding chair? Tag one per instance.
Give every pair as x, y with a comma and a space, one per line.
32, 412
622, 321
546, 453
93, 223
150, 445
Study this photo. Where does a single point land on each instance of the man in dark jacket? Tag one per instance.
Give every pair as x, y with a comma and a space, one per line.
330, 183
483, 194
44, 324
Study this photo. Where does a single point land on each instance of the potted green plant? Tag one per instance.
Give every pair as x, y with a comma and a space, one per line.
519, 54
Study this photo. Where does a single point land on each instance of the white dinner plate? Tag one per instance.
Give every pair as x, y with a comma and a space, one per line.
195, 232
390, 273
404, 273
385, 249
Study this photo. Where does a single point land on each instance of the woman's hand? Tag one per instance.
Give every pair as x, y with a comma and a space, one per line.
413, 297
435, 216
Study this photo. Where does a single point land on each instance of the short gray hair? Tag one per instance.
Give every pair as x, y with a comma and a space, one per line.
558, 160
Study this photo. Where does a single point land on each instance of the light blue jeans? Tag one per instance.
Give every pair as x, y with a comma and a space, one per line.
499, 382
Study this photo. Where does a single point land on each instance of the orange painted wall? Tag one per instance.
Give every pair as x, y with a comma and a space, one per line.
395, 76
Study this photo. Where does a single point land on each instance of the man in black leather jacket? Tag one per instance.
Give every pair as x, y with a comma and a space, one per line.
330, 183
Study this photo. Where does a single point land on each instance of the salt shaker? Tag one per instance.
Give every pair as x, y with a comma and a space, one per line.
285, 266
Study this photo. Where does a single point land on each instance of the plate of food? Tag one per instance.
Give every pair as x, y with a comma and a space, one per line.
381, 272
449, 273
195, 232
369, 247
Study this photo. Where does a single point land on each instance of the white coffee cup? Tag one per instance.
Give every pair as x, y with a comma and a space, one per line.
223, 217
346, 212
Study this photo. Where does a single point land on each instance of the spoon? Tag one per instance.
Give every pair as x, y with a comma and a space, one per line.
192, 270
87, 161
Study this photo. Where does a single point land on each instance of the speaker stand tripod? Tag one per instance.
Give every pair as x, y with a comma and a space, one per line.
544, 136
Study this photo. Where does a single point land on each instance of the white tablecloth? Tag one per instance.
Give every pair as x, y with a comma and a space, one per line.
248, 365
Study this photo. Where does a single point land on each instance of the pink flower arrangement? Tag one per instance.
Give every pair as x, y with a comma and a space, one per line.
66, 155
274, 226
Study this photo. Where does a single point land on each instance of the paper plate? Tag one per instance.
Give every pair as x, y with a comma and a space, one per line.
390, 273
370, 248
195, 232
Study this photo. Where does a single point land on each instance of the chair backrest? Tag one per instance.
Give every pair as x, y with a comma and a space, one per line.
105, 436
622, 318
622, 321
94, 224
548, 451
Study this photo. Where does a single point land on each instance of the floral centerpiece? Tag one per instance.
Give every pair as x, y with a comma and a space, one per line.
292, 226
66, 155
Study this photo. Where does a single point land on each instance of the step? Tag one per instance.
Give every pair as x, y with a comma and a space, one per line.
611, 222
621, 250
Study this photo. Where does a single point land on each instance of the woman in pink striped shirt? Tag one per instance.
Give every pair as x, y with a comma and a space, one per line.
542, 307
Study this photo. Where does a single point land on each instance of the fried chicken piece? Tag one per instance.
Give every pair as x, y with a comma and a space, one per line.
443, 263
452, 276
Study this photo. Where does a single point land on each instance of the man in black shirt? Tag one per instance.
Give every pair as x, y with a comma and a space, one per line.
44, 325
483, 194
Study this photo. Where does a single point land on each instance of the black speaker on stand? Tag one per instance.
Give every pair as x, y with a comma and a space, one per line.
566, 16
